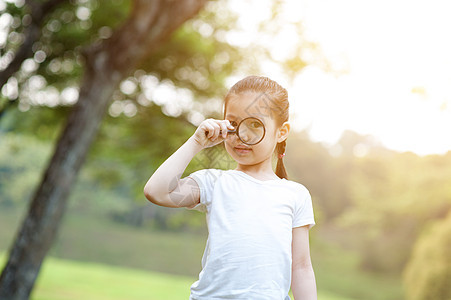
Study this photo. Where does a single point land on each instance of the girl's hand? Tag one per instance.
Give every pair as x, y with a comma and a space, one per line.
208, 133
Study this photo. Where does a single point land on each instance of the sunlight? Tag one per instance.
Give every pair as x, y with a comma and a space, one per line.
390, 50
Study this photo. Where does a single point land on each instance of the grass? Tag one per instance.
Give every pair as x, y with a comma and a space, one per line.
105, 260
67, 280
338, 271
97, 239
71, 280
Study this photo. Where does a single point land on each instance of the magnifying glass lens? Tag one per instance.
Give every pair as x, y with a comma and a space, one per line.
251, 131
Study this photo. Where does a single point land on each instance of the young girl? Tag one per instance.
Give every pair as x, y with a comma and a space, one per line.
258, 221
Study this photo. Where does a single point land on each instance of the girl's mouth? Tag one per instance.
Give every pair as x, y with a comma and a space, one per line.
242, 149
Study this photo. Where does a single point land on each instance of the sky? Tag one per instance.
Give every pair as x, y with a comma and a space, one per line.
392, 62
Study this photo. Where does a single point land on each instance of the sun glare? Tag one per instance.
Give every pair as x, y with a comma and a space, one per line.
397, 80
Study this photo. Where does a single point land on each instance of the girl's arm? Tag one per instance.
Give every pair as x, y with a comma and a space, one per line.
303, 283
165, 187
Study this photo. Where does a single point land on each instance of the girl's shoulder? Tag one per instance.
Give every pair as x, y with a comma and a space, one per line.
296, 184
297, 187
207, 174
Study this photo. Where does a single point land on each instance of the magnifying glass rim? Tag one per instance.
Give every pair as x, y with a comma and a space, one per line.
237, 130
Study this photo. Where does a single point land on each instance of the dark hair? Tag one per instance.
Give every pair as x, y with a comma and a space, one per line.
278, 97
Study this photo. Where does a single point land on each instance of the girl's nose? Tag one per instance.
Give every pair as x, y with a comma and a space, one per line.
244, 136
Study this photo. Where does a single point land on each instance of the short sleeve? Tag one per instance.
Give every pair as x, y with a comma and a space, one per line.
303, 214
206, 180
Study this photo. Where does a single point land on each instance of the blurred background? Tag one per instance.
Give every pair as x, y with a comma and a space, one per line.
369, 89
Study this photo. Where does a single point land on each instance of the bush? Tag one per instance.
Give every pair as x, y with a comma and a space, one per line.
428, 273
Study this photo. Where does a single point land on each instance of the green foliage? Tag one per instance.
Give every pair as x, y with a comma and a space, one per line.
20, 176
126, 152
56, 61
428, 274
378, 199
72, 26
391, 205
43, 123
196, 57
192, 58
325, 176
140, 144
21, 162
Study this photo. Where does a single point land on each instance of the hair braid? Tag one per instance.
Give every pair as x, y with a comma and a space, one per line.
280, 167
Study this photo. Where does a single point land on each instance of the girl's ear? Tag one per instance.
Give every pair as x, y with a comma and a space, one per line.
283, 132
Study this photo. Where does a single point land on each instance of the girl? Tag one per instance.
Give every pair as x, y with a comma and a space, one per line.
258, 221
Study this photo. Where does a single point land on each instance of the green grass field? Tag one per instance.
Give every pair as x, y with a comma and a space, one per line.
67, 280
71, 280
96, 258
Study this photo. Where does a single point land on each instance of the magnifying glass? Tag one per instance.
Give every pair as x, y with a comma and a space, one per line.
250, 131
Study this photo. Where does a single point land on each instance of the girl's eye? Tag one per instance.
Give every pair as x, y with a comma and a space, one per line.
256, 124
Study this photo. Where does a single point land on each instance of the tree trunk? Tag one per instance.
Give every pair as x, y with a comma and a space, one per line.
107, 63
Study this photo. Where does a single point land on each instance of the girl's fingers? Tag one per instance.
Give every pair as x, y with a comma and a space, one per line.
223, 126
213, 131
229, 126
209, 129
217, 129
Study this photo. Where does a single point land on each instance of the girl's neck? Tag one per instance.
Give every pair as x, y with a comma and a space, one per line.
262, 171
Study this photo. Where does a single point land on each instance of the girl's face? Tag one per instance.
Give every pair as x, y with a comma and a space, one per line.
255, 105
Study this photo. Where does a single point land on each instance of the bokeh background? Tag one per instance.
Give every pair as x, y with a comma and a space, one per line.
369, 88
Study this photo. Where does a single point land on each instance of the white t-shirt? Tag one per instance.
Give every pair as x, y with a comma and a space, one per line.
248, 251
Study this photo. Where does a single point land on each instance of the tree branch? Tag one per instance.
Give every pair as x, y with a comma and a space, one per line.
32, 33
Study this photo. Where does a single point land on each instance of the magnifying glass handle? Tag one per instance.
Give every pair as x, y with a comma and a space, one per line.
228, 131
